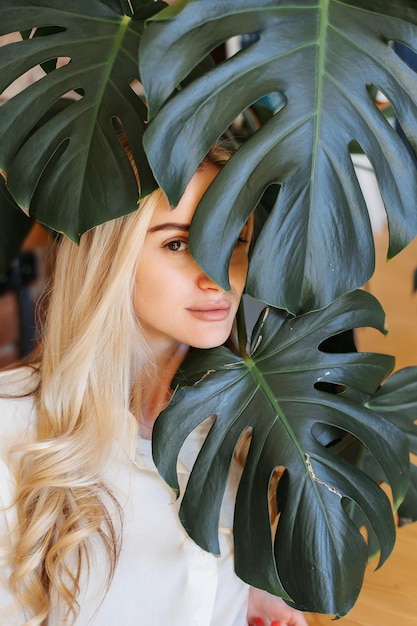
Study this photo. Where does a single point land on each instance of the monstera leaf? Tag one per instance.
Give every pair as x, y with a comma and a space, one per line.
321, 61
397, 400
92, 180
278, 391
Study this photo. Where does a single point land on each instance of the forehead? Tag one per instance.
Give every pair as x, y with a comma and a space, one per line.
186, 207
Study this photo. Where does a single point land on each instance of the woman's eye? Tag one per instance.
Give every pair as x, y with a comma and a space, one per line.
244, 235
177, 245
241, 241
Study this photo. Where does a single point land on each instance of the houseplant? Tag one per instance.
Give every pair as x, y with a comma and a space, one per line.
66, 165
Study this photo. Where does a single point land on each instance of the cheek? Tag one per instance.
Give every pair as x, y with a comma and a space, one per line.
237, 274
156, 289
145, 288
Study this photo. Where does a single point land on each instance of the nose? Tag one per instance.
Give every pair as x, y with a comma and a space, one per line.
205, 282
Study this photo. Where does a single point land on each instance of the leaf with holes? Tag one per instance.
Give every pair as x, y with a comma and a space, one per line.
277, 391
320, 61
397, 400
70, 168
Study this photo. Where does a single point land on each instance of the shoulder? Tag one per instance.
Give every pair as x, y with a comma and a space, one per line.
16, 427
20, 381
17, 420
17, 412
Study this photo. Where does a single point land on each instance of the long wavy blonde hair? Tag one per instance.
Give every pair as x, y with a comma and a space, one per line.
91, 354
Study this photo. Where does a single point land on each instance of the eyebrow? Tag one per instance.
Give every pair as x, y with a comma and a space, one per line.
169, 226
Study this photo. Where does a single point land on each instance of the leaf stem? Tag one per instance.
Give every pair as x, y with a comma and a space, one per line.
241, 330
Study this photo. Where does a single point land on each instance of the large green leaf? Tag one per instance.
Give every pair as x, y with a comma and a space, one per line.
322, 58
92, 180
397, 400
318, 555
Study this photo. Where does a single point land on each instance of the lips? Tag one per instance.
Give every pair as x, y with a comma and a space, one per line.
211, 312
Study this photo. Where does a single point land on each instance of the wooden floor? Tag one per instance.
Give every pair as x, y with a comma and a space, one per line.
392, 284
389, 595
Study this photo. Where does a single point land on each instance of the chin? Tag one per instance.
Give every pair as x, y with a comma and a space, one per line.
205, 343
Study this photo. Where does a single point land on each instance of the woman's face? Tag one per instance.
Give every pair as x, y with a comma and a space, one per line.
175, 300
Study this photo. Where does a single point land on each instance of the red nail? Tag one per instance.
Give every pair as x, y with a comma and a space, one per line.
276, 623
258, 621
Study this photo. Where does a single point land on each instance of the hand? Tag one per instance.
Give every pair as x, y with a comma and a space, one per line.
265, 609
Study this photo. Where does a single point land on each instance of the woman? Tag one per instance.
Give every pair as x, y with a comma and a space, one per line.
90, 532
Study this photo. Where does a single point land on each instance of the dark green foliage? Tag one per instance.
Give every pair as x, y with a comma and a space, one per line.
318, 556
321, 58
92, 181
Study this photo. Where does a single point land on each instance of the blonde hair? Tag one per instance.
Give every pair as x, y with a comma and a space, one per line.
91, 350
91, 354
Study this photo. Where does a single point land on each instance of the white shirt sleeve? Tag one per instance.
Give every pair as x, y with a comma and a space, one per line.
10, 610
162, 576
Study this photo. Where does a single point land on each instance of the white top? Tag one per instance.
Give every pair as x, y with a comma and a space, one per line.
162, 576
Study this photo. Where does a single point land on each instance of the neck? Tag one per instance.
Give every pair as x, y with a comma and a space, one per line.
153, 391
